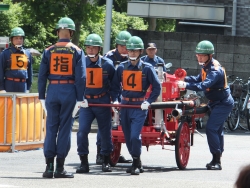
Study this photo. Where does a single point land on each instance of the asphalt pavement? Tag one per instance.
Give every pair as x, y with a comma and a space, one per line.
25, 168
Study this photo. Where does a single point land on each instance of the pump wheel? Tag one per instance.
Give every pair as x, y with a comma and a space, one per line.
182, 145
114, 156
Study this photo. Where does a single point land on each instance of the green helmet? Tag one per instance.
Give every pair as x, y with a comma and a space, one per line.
93, 40
135, 43
205, 47
17, 31
122, 38
65, 23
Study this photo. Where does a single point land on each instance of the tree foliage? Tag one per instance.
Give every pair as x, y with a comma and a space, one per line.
39, 17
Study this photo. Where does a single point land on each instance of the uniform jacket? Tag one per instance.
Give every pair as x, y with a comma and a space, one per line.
108, 71
148, 77
78, 63
214, 83
5, 66
154, 61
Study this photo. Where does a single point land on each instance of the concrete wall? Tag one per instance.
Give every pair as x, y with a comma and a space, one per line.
242, 20
232, 52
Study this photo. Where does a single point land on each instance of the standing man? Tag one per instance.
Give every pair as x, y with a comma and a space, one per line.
63, 64
16, 65
135, 76
151, 56
100, 72
213, 81
117, 55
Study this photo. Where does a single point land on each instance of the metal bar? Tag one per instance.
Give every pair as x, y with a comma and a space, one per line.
234, 17
154, 105
108, 23
34, 121
204, 24
116, 105
20, 121
27, 124
13, 123
5, 120
41, 121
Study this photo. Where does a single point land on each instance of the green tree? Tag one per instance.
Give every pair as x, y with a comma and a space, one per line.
10, 19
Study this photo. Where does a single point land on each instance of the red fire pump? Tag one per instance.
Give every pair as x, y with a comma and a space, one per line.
170, 120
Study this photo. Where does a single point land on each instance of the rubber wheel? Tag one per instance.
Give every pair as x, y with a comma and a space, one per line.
114, 156
182, 145
234, 117
248, 118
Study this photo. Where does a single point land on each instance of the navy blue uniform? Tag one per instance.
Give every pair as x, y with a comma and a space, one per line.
15, 70
116, 58
211, 80
63, 64
97, 95
154, 61
133, 119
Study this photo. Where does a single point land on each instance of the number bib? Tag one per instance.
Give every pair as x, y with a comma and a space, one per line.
94, 78
61, 64
132, 80
19, 62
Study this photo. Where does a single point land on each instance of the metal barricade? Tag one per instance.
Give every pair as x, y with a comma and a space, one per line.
22, 122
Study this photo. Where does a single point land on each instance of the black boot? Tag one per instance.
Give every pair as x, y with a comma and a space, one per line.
49, 172
135, 166
105, 164
60, 172
123, 160
140, 167
98, 156
84, 168
217, 163
209, 165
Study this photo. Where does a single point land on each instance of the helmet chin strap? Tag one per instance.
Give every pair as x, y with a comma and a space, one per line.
18, 46
93, 56
206, 62
134, 58
124, 55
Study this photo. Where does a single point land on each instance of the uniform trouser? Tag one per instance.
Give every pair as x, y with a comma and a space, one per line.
60, 102
98, 138
86, 117
13, 86
215, 126
132, 121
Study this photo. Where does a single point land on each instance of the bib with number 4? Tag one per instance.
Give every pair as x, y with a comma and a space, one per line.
132, 80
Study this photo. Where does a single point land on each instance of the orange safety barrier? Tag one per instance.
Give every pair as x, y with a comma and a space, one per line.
22, 122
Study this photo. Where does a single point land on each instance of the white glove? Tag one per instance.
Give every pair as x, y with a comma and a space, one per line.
2, 91
115, 109
182, 84
145, 105
76, 108
27, 91
43, 105
85, 103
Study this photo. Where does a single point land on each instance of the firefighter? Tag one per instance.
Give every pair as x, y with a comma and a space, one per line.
152, 58
213, 81
117, 55
133, 93
16, 65
100, 72
63, 64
